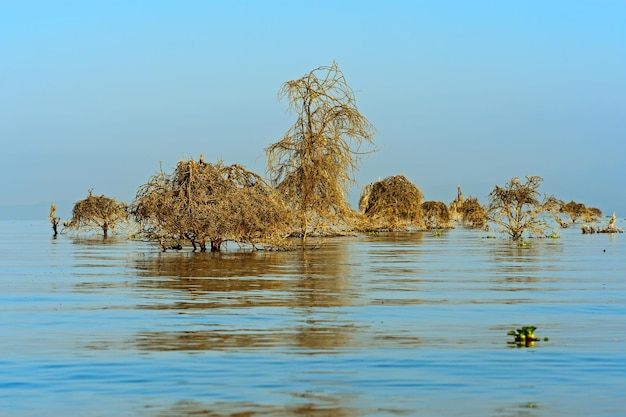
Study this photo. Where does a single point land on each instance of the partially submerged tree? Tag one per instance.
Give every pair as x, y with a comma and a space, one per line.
207, 203
392, 204
54, 220
313, 164
573, 210
592, 214
97, 212
456, 205
517, 207
472, 213
436, 215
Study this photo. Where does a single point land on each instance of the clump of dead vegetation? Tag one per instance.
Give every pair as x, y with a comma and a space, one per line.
436, 215
611, 227
209, 204
468, 211
393, 203
576, 211
96, 212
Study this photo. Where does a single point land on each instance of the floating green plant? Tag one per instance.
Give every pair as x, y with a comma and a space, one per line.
525, 336
523, 243
553, 235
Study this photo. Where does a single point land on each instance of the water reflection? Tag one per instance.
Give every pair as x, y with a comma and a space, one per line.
310, 337
293, 291
327, 408
304, 279
517, 266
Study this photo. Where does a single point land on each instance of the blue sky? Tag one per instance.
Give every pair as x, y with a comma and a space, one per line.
101, 94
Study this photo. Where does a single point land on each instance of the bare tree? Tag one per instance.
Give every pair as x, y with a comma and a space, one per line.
314, 162
207, 203
394, 203
97, 212
517, 207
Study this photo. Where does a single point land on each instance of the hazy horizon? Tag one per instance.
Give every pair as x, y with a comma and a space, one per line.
100, 95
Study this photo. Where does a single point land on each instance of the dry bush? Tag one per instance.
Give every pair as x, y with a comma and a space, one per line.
392, 204
210, 203
436, 215
313, 164
517, 207
592, 214
473, 213
97, 212
573, 210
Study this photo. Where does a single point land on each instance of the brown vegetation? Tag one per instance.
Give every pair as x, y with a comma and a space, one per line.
97, 212
609, 228
473, 214
392, 204
210, 203
573, 210
313, 164
436, 215
593, 214
517, 207
576, 211
54, 220
455, 206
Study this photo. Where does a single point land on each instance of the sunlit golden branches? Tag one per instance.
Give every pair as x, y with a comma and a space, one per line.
97, 212
207, 203
313, 164
392, 204
517, 206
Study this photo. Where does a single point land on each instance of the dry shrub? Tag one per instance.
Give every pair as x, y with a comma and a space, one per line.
436, 215
97, 212
592, 214
517, 207
392, 204
473, 213
210, 203
573, 210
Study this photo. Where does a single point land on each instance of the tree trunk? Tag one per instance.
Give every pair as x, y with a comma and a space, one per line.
216, 245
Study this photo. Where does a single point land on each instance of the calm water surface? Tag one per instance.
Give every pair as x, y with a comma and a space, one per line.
390, 325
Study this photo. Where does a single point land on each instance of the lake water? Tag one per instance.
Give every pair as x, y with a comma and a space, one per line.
391, 325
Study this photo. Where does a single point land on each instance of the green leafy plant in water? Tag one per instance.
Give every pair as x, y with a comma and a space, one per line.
553, 235
524, 243
524, 336
436, 233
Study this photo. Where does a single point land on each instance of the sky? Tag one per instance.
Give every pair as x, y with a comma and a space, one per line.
103, 94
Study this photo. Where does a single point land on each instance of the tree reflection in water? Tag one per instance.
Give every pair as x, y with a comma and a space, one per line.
233, 288
193, 408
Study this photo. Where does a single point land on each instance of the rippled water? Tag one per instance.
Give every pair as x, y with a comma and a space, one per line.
388, 325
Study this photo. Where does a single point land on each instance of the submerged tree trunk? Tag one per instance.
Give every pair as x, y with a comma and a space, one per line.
216, 245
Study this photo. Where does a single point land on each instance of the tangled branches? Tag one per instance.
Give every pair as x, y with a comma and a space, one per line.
209, 203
